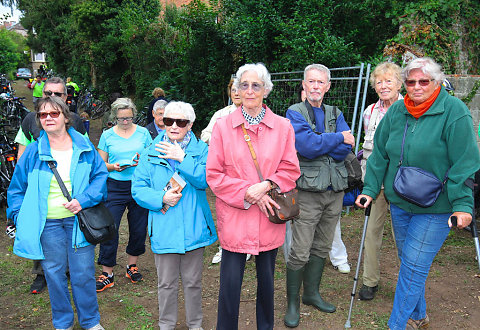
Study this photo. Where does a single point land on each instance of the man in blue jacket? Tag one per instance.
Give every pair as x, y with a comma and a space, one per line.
322, 140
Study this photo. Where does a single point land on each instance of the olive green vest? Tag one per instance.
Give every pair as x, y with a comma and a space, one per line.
322, 172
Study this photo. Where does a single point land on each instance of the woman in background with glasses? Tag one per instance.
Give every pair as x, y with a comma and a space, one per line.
120, 147
436, 133
180, 223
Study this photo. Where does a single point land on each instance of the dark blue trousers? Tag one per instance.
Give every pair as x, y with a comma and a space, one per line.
231, 277
118, 199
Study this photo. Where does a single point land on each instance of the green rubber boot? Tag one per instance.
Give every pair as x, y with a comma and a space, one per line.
294, 282
311, 283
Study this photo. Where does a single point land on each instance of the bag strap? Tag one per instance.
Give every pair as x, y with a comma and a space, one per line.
403, 142
252, 152
64, 189
311, 115
401, 156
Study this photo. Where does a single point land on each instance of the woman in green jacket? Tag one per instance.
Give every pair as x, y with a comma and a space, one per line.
438, 136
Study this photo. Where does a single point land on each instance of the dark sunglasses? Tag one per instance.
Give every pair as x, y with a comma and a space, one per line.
180, 122
421, 82
49, 93
44, 115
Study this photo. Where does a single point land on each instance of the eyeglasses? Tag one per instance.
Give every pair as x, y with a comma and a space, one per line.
125, 119
49, 93
421, 82
44, 115
257, 87
180, 122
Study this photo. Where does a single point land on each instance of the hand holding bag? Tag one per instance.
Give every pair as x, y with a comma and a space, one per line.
287, 201
415, 185
96, 222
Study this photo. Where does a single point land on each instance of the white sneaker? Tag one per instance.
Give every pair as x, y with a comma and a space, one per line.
343, 268
97, 327
249, 256
218, 256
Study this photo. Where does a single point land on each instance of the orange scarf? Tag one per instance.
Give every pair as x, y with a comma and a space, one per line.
417, 111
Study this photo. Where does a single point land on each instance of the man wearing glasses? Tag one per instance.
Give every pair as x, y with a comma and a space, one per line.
322, 140
29, 132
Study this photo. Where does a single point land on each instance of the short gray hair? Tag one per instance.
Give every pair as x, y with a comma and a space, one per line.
181, 108
428, 66
123, 103
260, 70
160, 104
56, 80
319, 67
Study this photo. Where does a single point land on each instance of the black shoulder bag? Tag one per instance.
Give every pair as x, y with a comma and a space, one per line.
96, 222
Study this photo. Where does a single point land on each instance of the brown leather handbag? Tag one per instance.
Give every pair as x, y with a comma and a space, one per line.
287, 201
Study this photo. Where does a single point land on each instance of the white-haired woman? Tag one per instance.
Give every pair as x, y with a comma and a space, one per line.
435, 131
180, 223
242, 203
120, 147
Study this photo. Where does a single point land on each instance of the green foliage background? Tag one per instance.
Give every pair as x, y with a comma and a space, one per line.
191, 52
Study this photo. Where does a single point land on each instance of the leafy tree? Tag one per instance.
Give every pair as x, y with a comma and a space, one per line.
9, 55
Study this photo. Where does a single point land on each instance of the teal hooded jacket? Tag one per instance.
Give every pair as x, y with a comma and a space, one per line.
28, 191
189, 224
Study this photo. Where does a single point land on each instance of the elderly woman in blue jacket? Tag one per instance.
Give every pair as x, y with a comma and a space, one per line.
180, 223
47, 228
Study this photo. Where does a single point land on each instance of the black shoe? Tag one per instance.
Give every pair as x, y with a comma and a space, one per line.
133, 274
367, 292
39, 283
104, 281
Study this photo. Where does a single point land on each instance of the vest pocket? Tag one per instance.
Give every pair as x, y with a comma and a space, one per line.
339, 177
313, 179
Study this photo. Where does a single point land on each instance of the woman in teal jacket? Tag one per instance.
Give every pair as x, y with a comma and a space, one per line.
180, 223
47, 228
438, 135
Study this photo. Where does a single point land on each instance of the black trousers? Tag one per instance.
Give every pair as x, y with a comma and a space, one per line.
231, 276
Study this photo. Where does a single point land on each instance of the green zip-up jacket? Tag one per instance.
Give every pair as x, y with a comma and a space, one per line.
442, 138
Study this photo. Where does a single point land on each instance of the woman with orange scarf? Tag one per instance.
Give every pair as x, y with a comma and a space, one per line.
435, 131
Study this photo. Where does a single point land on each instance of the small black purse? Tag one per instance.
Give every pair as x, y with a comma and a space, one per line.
415, 185
96, 222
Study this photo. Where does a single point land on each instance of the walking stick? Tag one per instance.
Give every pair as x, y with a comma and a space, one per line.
473, 227
355, 279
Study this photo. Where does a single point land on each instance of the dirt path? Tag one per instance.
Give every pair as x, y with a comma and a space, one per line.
452, 290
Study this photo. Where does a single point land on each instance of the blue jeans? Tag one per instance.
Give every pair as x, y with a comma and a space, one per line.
419, 237
56, 243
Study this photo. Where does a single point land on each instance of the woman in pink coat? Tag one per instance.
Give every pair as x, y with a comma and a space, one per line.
242, 201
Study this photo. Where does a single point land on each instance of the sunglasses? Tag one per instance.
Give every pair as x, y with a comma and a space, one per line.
180, 122
44, 115
49, 93
257, 87
421, 82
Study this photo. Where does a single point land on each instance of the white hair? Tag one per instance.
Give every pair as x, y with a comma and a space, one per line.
319, 67
181, 108
160, 104
428, 66
260, 70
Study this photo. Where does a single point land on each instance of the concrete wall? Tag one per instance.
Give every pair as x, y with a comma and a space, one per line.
463, 84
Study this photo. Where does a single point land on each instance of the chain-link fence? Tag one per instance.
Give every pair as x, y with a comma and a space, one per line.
348, 92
